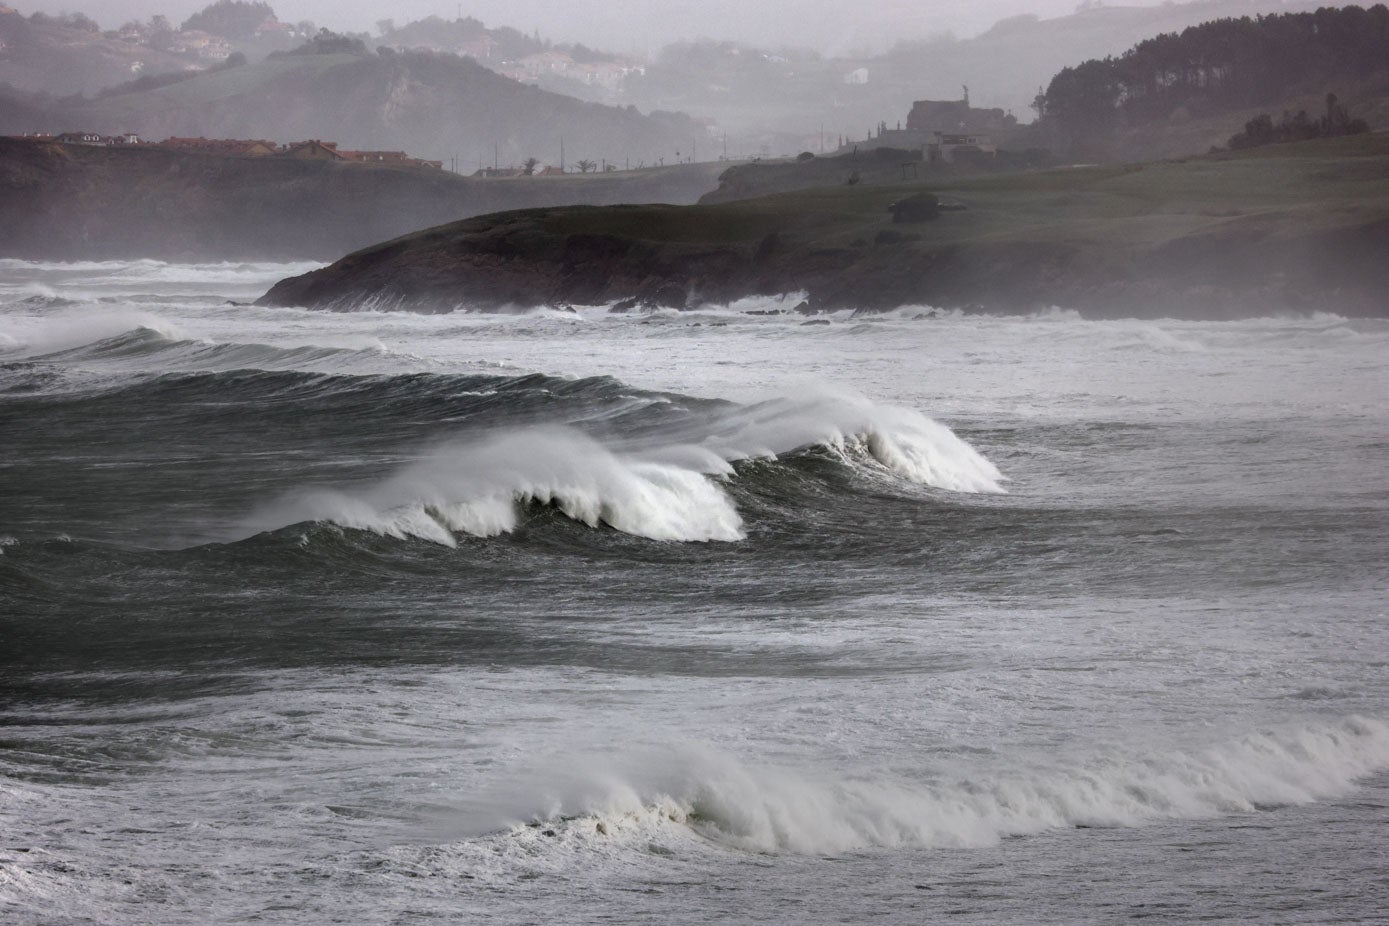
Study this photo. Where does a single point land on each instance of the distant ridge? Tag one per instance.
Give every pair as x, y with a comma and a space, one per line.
435, 106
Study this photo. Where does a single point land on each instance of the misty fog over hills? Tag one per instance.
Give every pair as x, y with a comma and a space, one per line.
746, 99
435, 106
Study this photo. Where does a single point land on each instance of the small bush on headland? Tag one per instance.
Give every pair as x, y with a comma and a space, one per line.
1261, 130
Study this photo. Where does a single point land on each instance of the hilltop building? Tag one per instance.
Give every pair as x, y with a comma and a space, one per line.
231, 147
949, 147
937, 127
93, 139
313, 150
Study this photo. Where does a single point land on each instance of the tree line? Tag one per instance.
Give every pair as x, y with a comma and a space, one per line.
1218, 66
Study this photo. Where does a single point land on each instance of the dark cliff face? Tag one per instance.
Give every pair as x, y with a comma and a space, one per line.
1216, 237
74, 202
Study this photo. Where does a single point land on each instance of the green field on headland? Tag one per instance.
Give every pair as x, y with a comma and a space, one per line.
1289, 227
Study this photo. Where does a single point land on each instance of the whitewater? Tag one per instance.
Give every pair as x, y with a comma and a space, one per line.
726, 615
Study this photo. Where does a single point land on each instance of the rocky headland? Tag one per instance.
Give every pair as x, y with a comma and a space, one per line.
1293, 227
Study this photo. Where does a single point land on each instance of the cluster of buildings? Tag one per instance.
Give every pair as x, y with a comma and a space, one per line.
312, 149
195, 44
607, 74
943, 130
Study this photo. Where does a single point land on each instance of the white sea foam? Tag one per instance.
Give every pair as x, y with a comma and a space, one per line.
769, 809
476, 489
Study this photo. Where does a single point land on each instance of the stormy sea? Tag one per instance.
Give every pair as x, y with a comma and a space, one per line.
724, 615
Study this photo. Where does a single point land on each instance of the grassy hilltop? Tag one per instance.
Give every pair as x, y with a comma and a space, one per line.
1300, 226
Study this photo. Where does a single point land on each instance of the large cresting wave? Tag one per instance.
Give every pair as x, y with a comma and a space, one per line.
666, 484
479, 489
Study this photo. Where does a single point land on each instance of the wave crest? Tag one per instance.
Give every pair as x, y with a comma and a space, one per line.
478, 490
662, 485
903, 441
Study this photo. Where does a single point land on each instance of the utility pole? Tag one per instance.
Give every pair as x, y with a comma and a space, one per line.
561, 155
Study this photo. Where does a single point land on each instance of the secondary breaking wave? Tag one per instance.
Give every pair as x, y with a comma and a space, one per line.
766, 809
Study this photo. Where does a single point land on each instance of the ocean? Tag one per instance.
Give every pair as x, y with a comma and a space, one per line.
725, 615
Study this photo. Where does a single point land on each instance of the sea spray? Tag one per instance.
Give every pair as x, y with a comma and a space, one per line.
904, 441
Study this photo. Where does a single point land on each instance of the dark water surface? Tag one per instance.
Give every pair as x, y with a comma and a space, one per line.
685, 617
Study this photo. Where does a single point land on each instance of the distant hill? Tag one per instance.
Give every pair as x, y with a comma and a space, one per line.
433, 105
58, 56
67, 202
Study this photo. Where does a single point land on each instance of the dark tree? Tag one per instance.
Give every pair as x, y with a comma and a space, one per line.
233, 19
1221, 66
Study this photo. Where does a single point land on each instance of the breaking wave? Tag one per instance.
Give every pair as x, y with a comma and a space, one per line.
664, 484
479, 490
766, 809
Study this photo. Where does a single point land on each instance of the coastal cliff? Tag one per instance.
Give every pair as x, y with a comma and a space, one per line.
1290, 227
73, 202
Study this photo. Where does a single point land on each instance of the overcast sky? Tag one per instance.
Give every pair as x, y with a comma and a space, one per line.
634, 25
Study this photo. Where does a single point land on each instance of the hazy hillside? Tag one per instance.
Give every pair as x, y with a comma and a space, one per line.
74, 54
434, 106
62, 57
66, 202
